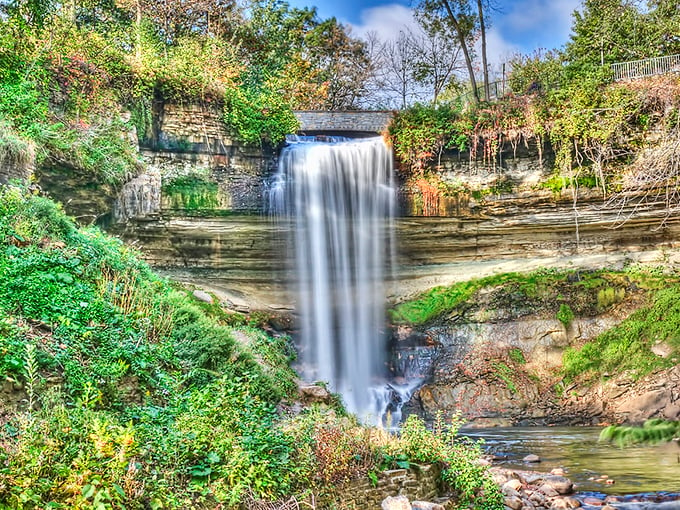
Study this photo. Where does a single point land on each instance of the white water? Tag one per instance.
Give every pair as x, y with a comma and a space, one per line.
341, 198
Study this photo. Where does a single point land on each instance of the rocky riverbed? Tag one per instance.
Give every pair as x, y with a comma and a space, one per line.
534, 490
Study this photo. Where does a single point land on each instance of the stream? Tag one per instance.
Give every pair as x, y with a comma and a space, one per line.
634, 470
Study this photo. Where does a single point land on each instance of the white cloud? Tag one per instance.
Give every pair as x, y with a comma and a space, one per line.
536, 24
519, 25
386, 21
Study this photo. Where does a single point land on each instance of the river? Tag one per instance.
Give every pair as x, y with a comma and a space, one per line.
638, 469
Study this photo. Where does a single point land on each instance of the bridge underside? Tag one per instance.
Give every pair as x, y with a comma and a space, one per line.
355, 124
322, 134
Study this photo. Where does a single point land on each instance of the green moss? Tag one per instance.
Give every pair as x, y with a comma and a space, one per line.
628, 345
517, 356
565, 315
191, 194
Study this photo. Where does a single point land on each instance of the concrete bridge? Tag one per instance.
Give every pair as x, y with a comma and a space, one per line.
356, 122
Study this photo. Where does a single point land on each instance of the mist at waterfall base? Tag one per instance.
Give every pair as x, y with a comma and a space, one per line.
340, 198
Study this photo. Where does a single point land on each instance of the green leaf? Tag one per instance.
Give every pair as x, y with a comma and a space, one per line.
88, 491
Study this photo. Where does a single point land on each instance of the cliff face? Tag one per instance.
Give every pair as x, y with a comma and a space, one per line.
472, 229
492, 217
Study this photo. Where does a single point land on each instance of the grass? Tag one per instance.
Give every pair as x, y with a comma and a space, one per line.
564, 294
132, 394
627, 347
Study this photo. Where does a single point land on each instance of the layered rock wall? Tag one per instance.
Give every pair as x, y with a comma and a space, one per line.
189, 139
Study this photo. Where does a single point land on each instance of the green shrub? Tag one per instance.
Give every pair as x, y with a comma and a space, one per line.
628, 345
652, 431
565, 315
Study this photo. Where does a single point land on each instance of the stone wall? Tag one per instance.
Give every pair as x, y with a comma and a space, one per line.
350, 121
420, 482
191, 138
12, 168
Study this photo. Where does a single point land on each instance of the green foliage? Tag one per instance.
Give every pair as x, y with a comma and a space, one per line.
541, 71
145, 380
627, 347
652, 431
441, 300
462, 471
610, 296
259, 115
618, 31
565, 315
191, 193
516, 355
421, 133
505, 374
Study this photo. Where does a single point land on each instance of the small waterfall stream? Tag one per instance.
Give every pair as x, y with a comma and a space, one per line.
341, 198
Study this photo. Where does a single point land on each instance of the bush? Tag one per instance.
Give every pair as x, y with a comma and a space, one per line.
652, 431
565, 315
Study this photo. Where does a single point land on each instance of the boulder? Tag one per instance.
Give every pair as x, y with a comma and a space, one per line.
395, 503
514, 502
313, 393
532, 458
512, 484
426, 505
201, 295
561, 484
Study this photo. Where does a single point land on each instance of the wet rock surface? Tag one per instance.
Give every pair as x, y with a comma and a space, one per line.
534, 490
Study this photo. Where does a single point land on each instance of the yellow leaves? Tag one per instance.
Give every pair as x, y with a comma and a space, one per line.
112, 442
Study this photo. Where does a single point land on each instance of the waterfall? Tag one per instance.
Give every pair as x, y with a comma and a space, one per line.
340, 197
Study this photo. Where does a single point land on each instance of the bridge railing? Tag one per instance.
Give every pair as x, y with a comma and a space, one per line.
497, 90
646, 67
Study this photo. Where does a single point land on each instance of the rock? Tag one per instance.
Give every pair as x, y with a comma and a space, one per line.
514, 484
548, 490
560, 483
201, 295
509, 491
538, 499
662, 349
313, 392
565, 503
559, 504
532, 458
499, 478
426, 505
514, 502
672, 412
608, 507
558, 472
572, 502
395, 503
592, 501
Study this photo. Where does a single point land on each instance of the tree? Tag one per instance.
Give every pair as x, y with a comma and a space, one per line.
606, 31
664, 21
437, 57
398, 68
458, 17
482, 31
342, 62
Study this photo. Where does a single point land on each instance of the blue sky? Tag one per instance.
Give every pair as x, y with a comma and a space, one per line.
519, 26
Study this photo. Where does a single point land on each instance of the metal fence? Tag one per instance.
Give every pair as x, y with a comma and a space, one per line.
497, 90
647, 67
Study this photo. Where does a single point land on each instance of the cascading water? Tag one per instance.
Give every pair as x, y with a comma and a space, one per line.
341, 198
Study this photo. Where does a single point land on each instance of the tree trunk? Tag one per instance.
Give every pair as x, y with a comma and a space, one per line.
482, 27
463, 45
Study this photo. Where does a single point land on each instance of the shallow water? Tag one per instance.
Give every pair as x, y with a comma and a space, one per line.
638, 469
